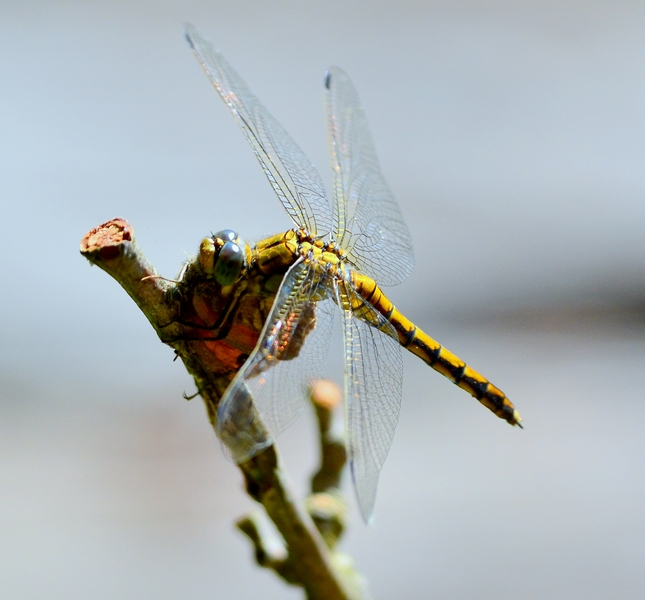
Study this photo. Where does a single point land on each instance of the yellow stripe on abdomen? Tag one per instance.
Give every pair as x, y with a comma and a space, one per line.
435, 355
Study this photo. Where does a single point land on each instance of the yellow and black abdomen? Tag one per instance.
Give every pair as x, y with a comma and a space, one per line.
434, 354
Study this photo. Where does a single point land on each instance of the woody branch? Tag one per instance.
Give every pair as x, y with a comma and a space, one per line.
310, 561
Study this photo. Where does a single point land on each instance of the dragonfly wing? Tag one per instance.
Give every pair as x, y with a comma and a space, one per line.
373, 388
368, 224
268, 392
292, 175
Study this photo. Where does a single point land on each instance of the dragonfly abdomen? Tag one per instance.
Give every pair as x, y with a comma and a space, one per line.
434, 354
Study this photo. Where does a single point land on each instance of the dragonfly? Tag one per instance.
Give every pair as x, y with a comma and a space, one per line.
332, 258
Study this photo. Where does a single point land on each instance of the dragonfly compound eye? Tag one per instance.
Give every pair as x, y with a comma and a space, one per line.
226, 235
228, 264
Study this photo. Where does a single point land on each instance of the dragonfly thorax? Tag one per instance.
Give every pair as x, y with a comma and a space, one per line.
279, 252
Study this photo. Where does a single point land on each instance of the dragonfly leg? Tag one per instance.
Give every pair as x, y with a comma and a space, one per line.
221, 327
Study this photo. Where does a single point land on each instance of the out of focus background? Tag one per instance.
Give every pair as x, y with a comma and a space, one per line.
513, 135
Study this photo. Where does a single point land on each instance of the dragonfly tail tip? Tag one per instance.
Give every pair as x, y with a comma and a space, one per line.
516, 420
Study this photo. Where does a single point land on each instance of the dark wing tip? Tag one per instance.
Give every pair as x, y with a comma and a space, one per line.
188, 30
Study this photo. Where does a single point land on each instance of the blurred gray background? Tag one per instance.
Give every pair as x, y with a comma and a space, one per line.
513, 135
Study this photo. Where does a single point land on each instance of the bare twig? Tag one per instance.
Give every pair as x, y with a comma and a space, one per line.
326, 504
176, 311
269, 550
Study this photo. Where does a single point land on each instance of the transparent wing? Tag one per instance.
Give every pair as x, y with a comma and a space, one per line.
373, 388
268, 392
292, 175
367, 220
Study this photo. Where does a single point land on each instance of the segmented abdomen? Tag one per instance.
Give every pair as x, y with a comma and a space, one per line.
434, 354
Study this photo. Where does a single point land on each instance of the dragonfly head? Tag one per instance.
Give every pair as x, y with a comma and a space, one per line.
222, 256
